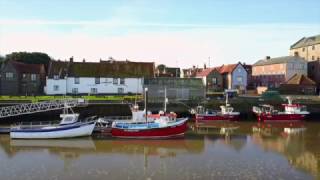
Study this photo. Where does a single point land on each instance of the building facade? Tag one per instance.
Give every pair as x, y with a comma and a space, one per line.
271, 72
104, 77
307, 47
178, 89
234, 76
211, 79
22, 79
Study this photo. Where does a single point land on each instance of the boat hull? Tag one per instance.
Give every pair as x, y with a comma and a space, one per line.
280, 117
67, 131
174, 131
206, 118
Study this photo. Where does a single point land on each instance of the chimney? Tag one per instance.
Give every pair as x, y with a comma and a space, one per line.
84, 60
267, 57
71, 59
204, 66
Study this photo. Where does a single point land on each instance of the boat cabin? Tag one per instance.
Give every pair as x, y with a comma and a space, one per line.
68, 118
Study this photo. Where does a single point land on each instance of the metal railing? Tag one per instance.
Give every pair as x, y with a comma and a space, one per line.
30, 108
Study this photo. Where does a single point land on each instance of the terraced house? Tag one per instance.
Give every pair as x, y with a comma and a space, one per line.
18, 78
104, 77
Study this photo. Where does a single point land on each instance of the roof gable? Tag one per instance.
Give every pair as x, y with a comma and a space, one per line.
306, 41
27, 68
207, 71
300, 79
228, 68
278, 60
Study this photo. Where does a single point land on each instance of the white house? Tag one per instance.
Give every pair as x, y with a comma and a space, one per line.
104, 77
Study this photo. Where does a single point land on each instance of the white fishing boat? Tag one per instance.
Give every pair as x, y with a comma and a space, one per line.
68, 127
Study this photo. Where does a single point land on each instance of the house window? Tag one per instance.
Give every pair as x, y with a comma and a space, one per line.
55, 77
312, 57
214, 80
120, 90
33, 77
94, 90
313, 47
56, 88
303, 49
9, 75
122, 81
115, 80
239, 70
24, 76
239, 79
97, 80
74, 90
76, 80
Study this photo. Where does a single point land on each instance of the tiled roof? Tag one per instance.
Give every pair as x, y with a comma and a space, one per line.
28, 68
103, 69
206, 72
227, 68
306, 41
278, 60
300, 79
59, 68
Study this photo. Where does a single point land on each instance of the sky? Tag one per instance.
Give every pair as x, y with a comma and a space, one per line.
173, 32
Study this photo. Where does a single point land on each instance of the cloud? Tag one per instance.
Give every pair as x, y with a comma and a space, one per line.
183, 47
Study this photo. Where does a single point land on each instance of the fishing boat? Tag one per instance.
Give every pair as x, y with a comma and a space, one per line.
68, 127
292, 112
226, 113
145, 125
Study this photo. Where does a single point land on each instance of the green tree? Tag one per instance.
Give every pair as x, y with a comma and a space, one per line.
30, 58
2, 59
161, 68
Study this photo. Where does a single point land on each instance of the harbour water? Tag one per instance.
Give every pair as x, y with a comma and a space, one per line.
222, 150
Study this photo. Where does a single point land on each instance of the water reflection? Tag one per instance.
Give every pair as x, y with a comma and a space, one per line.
245, 150
291, 140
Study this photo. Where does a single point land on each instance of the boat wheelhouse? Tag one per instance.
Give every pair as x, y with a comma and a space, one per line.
150, 126
226, 113
292, 112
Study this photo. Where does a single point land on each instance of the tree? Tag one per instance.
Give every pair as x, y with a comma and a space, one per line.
30, 58
2, 59
161, 68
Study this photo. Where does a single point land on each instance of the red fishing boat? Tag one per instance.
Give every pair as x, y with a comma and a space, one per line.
226, 113
150, 126
292, 112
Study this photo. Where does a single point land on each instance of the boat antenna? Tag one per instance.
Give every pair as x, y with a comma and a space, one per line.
145, 103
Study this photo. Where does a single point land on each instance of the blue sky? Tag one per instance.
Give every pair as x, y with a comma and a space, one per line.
179, 32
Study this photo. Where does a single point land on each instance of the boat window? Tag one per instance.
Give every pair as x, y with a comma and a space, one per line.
68, 119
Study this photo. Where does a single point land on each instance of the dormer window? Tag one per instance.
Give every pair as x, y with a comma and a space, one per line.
55, 77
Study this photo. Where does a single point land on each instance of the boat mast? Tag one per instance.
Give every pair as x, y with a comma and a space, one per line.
145, 103
227, 99
165, 99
